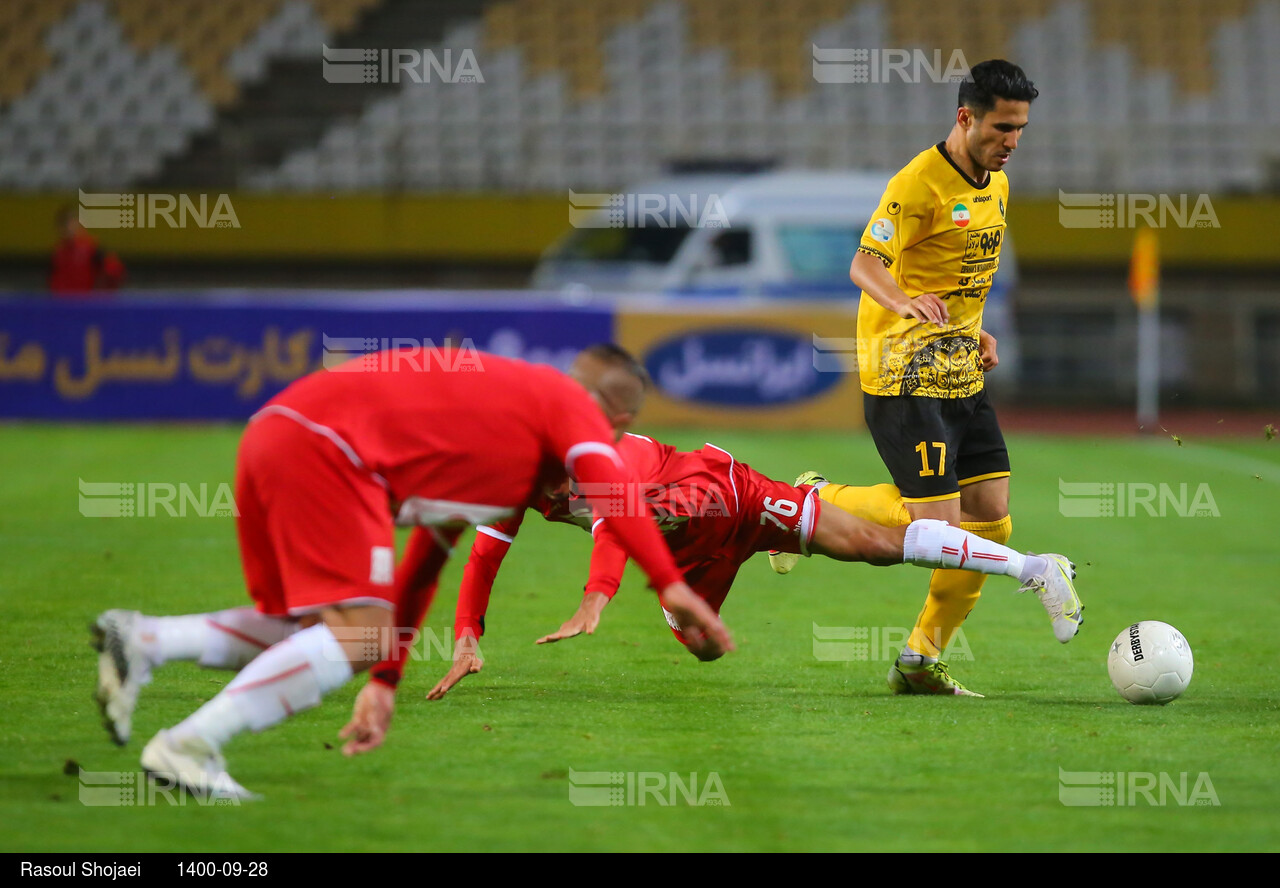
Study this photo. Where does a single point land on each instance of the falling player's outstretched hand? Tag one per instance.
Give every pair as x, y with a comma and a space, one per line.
585, 620
705, 635
370, 719
466, 661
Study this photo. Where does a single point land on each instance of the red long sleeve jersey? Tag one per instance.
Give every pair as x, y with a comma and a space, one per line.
462, 437
674, 486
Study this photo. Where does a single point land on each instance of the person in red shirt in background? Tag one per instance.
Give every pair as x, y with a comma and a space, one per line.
79, 266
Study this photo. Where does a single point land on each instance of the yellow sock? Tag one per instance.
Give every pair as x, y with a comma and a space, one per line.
953, 594
879, 503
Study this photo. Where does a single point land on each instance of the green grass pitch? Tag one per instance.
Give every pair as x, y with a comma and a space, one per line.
809, 754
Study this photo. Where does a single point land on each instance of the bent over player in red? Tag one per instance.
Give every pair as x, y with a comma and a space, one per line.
324, 472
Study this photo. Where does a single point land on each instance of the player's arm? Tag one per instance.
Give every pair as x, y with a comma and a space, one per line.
596, 466
416, 580
487, 552
870, 274
902, 219
417, 577
608, 561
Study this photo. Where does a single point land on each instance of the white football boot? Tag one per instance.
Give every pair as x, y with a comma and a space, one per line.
1057, 593
123, 668
193, 764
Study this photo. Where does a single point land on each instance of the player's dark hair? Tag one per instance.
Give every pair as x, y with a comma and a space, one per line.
995, 79
617, 356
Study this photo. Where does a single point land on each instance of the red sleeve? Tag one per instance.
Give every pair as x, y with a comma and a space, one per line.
416, 580
603, 470
487, 553
608, 561
580, 437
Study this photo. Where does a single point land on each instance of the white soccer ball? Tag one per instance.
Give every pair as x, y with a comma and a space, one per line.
1150, 662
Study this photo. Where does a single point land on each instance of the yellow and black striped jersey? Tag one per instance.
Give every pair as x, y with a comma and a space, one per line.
937, 231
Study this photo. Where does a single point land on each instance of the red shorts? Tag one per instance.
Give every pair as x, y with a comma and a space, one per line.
767, 515
315, 526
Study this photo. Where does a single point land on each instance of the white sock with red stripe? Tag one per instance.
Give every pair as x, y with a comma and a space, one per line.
937, 544
227, 639
287, 677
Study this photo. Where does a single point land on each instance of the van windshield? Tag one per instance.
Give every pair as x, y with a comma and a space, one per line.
650, 244
819, 252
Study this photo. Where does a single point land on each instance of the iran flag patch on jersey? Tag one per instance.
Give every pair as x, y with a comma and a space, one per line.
960, 215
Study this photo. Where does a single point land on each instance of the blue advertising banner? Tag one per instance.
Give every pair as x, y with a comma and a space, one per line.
222, 356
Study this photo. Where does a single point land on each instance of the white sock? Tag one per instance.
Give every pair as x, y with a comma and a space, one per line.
937, 544
287, 677
226, 639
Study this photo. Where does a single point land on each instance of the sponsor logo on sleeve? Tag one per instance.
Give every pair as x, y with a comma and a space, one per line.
882, 230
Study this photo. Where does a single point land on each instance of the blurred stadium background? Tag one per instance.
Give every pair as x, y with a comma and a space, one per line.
462, 183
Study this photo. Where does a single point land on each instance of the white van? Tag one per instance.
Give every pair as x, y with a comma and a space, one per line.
767, 234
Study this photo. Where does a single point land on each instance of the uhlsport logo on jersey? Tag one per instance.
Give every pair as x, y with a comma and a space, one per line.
887, 64
1092, 210
960, 215
738, 367
882, 230
112, 210
399, 66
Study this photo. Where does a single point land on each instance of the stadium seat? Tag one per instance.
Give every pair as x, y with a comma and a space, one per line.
572, 86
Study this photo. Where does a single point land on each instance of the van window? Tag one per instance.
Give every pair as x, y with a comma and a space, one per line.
731, 247
648, 244
819, 252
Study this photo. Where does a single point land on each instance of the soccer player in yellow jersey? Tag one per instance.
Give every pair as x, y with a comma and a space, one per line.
925, 265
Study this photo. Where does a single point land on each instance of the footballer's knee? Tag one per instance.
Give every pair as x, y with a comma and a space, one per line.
985, 502
364, 631
998, 530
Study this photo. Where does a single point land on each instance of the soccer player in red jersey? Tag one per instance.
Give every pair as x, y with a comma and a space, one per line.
715, 513
442, 439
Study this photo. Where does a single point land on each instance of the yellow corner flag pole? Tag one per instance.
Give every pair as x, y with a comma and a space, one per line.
1144, 287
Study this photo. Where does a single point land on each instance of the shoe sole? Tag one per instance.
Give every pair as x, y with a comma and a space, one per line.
783, 562
113, 672
1079, 612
